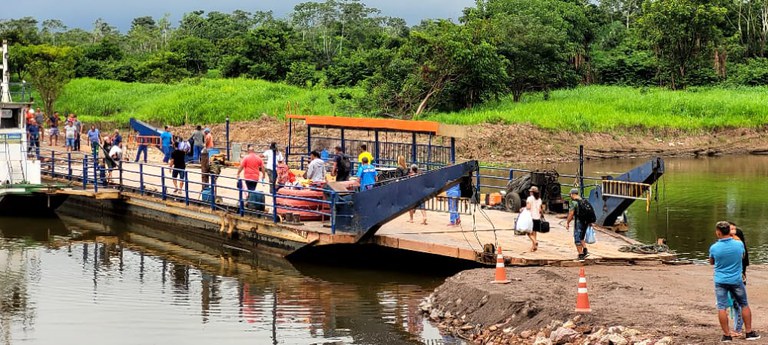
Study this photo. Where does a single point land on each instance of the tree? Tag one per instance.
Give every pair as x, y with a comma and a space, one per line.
20, 31
49, 70
681, 32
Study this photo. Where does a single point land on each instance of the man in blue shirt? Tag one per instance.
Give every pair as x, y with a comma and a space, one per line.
94, 137
34, 137
726, 255
166, 139
367, 174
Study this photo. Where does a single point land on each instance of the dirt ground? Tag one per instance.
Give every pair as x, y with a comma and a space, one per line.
502, 144
658, 301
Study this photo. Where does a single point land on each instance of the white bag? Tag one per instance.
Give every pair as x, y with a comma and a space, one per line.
524, 221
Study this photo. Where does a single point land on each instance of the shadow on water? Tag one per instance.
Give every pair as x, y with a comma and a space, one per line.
66, 275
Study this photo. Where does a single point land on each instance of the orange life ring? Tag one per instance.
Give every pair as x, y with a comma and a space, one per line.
301, 193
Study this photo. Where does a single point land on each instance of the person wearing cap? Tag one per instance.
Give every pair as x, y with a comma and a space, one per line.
285, 177
33, 131
579, 228
536, 207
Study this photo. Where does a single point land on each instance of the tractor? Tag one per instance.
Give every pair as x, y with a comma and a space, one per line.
516, 191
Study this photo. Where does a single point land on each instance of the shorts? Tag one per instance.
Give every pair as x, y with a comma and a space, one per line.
738, 292
178, 173
70, 142
579, 232
53, 131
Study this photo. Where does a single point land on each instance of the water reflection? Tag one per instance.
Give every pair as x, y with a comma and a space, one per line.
100, 282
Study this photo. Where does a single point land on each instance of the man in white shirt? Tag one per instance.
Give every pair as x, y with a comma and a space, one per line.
316, 169
269, 159
117, 155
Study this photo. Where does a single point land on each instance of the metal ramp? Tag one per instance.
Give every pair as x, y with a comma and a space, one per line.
15, 171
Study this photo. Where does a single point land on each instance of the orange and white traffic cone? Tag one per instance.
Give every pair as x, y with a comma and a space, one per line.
582, 298
501, 274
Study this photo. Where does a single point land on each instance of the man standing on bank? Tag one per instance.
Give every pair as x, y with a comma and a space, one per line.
726, 255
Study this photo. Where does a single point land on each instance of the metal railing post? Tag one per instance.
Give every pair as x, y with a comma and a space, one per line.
85, 171
213, 195
333, 212
581, 171
53, 163
273, 186
162, 183
186, 188
240, 203
69, 165
96, 176
120, 176
141, 178
227, 134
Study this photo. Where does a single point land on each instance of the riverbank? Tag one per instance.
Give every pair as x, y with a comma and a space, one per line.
644, 305
515, 144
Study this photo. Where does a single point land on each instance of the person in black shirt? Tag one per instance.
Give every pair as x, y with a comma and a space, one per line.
341, 165
178, 164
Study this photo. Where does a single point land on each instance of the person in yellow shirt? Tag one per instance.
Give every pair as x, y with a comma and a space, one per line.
364, 153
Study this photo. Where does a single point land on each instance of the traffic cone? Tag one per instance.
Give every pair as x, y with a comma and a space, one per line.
501, 274
582, 298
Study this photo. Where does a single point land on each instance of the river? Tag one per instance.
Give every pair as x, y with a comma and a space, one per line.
70, 281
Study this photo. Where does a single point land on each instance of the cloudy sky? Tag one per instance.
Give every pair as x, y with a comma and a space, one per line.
82, 13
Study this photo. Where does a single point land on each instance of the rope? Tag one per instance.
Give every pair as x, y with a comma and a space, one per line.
645, 249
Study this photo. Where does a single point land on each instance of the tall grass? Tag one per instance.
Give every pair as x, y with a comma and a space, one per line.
194, 101
583, 109
606, 108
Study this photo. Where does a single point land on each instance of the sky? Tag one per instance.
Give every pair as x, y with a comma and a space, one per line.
119, 13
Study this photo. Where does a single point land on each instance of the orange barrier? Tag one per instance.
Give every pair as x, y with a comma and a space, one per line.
501, 273
582, 298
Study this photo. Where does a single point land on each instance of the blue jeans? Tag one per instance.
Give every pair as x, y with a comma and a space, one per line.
579, 232
167, 154
142, 148
738, 321
196, 153
453, 207
737, 291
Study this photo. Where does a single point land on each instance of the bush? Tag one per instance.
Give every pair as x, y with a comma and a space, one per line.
752, 73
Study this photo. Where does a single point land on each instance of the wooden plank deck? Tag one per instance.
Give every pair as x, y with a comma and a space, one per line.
466, 241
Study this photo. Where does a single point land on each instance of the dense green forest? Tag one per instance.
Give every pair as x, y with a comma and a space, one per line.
497, 50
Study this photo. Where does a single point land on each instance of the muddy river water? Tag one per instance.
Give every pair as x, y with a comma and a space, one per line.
70, 281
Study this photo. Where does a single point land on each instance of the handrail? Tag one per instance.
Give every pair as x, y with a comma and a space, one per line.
142, 178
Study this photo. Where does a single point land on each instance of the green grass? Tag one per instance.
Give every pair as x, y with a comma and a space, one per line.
608, 108
194, 100
583, 109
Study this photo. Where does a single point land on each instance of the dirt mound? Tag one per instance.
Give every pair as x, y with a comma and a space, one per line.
647, 305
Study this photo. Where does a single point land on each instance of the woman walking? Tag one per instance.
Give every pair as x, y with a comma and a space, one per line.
536, 207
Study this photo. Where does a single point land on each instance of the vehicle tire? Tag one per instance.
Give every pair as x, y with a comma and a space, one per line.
512, 202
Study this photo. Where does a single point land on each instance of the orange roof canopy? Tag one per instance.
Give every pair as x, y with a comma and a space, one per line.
361, 123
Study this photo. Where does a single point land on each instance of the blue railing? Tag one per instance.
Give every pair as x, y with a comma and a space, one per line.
222, 193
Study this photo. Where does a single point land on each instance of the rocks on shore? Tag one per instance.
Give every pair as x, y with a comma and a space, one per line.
574, 331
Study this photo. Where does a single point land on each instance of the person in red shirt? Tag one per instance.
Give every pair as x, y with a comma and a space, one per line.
253, 167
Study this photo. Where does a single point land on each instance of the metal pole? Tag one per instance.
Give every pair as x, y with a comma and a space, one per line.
141, 178
413, 148
240, 203
85, 171
453, 150
309, 139
290, 138
581, 170
213, 195
343, 141
227, 133
120, 177
53, 163
96, 175
162, 183
186, 188
429, 152
69, 165
333, 212
376, 146
273, 177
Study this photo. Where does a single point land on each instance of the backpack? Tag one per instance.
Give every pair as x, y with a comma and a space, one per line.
585, 212
345, 166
